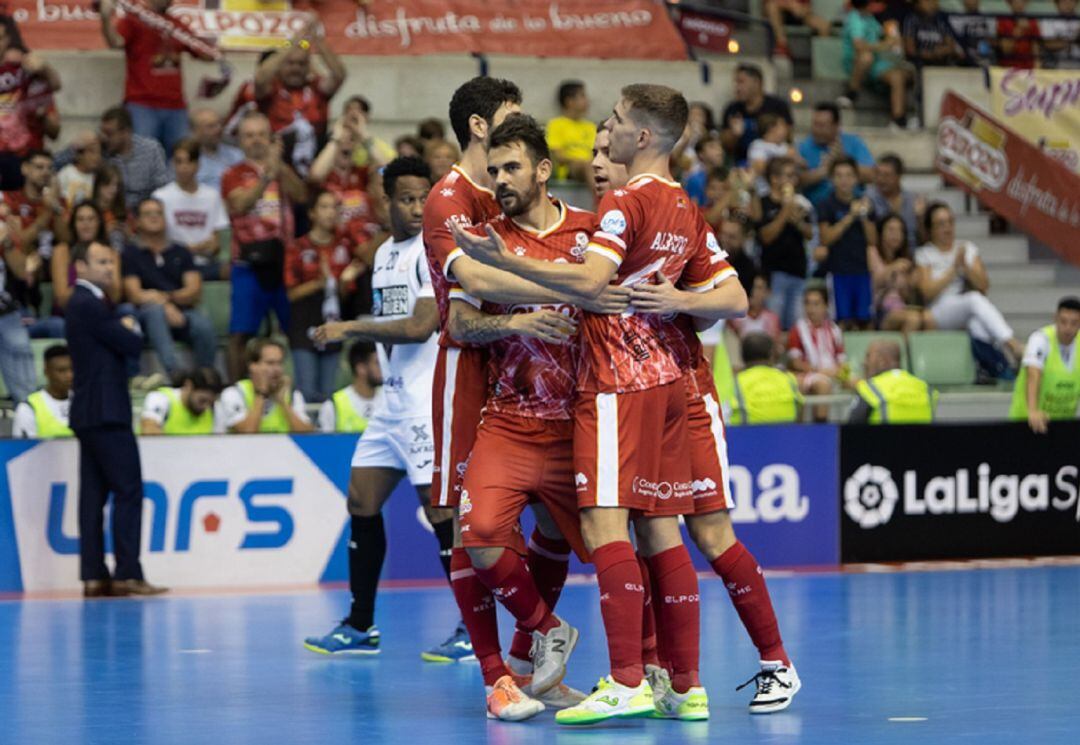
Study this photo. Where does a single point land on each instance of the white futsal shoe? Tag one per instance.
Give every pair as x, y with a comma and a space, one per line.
777, 685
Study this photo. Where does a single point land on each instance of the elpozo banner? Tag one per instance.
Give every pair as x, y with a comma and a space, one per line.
959, 492
1044, 106
638, 29
269, 510
1008, 174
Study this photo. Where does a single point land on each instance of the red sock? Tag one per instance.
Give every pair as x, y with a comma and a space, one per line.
477, 608
512, 585
678, 609
621, 604
745, 583
662, 653
648, 618
549, 561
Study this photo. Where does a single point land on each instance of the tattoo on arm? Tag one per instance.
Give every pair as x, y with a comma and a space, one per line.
483, 329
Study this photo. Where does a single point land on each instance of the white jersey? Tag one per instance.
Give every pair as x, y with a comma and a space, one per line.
400, 278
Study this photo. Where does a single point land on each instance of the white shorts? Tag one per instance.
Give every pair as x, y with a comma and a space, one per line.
403, 444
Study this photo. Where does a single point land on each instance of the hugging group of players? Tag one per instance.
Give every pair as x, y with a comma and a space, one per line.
566, 377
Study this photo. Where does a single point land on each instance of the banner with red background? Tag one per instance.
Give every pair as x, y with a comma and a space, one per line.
606, 29
1009, 175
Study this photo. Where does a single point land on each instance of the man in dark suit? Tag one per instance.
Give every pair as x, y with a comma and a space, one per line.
101, 344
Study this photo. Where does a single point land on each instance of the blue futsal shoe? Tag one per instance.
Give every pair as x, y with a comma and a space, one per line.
345, 641
457, 648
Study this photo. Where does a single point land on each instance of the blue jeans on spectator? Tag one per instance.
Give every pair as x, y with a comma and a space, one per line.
316, 373
16, 357
49, 327
786, 298
167, 126
199, 332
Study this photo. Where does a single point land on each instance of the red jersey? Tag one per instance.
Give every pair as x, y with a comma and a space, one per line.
15, 130
282, 105
243, 102
649, 227
270, 218
455, 198
351, 191
765, 322
533, 378
821, 346
19, 204
153, 66
303, 259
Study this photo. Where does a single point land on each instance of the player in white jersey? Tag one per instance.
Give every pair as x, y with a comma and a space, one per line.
398, 439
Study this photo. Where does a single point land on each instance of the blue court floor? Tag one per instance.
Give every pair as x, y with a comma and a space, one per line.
931, 657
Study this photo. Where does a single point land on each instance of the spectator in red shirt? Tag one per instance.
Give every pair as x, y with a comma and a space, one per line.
153, 86
816, 349
1017, 37
26, 87
320, 271
295, 99
258, 193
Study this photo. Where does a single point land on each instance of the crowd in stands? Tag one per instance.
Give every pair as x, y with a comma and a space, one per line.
285, 203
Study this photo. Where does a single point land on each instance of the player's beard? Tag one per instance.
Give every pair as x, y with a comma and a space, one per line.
519, 204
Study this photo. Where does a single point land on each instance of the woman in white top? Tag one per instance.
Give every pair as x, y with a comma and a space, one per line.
953, 281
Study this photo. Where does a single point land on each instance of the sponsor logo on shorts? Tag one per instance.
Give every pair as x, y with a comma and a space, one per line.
581, 479
662, 489
703, 487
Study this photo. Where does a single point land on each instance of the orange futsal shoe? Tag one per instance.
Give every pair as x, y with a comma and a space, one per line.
505, 701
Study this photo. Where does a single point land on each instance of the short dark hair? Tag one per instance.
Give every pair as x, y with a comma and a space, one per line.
768, 120
56, 351
412, 141
119, 116
359, 352
828, 107
1072, 302
757, 347
660, 105
189, 147
843, 160
526, 130
775, 165
204, 379
144, 200
819, 288
362, 102
568, 89
708, 137
480, 97
316, 196
37, 153
256, 346
719, 173
81, 250
928, 216
746, 68
431, 129
399, 167
893, 161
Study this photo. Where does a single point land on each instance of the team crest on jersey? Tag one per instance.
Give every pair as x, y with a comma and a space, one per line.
581, 242
681, 202
519, 250
714, 245
620, 192
447, 192
613, 222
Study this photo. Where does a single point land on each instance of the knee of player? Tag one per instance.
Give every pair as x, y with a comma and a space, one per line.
358, 506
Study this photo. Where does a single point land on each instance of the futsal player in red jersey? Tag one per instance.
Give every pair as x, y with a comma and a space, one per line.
524, 446
632, 401
710, 526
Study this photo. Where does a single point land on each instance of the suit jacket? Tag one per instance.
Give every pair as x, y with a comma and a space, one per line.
100, 347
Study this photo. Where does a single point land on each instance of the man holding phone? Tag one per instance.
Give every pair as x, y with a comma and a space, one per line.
258, 194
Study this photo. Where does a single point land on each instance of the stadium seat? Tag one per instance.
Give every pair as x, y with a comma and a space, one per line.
857, 342
215, 302
942, 358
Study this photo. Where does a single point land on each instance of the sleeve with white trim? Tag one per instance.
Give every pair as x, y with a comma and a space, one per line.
619, 216
708, 265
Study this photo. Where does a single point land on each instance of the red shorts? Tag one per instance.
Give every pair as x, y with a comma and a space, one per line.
707, 440
458, 395
619, 445
515, 461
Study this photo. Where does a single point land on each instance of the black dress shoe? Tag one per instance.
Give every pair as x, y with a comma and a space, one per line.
96, 588
136, 587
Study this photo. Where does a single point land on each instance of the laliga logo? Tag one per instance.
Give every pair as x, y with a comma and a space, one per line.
973, 153
870, 496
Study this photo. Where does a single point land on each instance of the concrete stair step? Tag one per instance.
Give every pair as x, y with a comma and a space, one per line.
1021, 276
1004, 249
1023, 301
